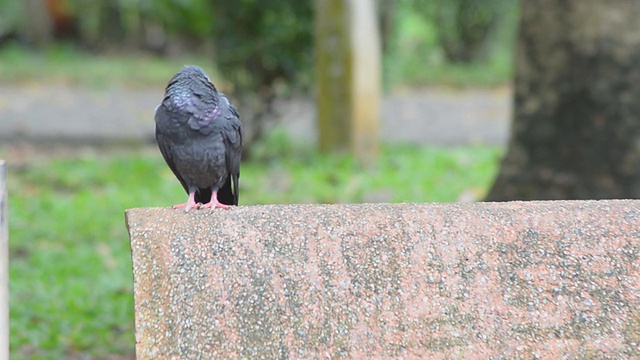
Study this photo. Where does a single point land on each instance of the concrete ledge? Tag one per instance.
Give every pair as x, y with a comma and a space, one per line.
512, 280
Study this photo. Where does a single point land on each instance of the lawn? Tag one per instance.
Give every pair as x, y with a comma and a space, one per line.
59, 64
71, 280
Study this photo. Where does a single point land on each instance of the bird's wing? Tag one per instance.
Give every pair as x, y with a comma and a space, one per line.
167, 155
165, 148
232, 135
197, 107
203, 111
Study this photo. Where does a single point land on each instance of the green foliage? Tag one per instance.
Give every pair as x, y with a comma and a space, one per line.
126, 22
192, 17
71, 284
10, 17
416, 55
261, 42
265, 49
465, 27
257, 42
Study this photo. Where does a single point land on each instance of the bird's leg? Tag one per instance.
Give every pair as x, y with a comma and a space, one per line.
190, 204
214, 203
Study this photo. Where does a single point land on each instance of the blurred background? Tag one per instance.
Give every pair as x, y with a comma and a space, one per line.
80, 79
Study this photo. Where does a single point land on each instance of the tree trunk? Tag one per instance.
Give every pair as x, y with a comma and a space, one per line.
576, 127
348, 70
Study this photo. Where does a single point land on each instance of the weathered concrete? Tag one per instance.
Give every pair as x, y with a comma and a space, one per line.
4, 263
529, 280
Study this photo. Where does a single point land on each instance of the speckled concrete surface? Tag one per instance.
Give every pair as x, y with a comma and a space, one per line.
546, 280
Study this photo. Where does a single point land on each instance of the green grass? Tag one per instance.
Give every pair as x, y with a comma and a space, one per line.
71, 280
412, 72
63, 63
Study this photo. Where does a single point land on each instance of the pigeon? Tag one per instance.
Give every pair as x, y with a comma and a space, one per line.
200, 137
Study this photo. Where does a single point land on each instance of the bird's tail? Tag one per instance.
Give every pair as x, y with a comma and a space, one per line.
226, 195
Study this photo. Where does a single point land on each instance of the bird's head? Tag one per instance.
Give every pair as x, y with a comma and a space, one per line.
189, 75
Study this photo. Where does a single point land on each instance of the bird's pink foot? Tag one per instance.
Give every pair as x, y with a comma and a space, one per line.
190, 204
214, 203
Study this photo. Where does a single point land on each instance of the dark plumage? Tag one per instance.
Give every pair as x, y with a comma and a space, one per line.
199, 135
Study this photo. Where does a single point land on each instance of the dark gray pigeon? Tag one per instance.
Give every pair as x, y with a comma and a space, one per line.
200, 137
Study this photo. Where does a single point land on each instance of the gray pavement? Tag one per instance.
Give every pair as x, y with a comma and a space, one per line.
433, 116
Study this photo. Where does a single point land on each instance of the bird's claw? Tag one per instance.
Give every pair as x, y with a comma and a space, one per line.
210, 205
187, 206
215, 205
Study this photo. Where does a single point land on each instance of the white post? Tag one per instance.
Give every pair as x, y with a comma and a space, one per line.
348, 70
366, 75
4, 264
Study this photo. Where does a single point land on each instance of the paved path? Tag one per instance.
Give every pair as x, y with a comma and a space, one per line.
71, 114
